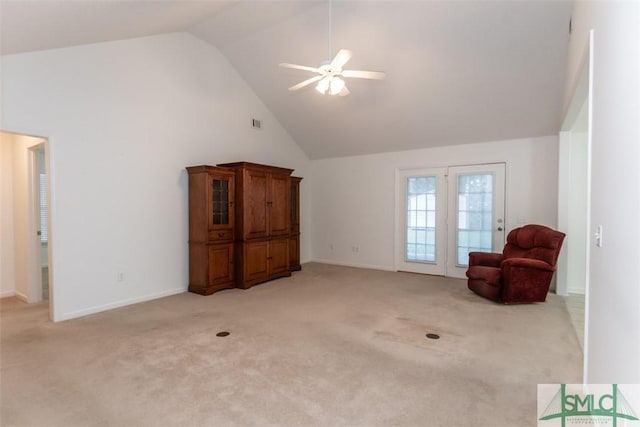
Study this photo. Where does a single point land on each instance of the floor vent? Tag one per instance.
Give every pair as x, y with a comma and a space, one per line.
433, 336
223, 334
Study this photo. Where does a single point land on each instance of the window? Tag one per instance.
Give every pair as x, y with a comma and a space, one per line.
475, 215
421, 219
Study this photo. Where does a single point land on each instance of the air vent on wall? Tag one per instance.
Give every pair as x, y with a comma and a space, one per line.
256, 124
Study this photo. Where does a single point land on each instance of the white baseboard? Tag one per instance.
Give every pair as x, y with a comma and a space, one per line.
6, 294
576, 291
21, 296
99, 308
349, 264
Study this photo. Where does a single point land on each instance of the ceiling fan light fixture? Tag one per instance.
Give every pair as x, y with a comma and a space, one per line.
332, 85
336, 85
323, 85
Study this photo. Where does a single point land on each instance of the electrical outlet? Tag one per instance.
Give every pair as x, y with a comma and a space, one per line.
120, 276
355, 249
331, 246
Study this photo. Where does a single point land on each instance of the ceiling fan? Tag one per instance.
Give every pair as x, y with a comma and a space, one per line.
330, 78
331, 74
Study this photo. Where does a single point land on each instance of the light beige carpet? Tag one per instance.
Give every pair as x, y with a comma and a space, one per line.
329, 346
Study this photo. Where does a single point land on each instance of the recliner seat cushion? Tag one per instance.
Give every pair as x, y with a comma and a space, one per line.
491, 275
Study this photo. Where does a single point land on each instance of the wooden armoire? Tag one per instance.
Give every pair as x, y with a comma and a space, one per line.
244, 225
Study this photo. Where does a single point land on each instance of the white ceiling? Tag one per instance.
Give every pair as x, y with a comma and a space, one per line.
28, 25
457, 72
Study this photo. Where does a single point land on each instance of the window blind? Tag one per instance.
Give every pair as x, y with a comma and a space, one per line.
44, 233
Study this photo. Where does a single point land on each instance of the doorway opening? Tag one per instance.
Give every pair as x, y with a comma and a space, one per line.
25, 219
574, 202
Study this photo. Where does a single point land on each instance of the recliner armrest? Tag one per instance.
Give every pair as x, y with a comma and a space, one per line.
525, 280
527, 263
486, 259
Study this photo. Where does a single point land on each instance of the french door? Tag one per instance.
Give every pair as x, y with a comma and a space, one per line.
445, 213
423, 229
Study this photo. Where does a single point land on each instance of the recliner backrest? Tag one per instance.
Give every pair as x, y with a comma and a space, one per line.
534, 242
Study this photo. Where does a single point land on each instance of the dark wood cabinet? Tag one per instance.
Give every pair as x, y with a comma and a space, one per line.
263, 223
211, 229
294, 220
244, 225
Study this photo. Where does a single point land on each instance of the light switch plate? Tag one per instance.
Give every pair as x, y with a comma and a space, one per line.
598, 236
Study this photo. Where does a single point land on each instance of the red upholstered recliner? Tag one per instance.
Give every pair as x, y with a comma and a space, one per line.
522, 272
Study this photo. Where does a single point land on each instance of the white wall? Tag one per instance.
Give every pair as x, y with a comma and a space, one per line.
7, 269
123, 120
613, 340
353, 197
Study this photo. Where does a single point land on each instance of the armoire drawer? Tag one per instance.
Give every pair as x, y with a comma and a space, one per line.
220, 235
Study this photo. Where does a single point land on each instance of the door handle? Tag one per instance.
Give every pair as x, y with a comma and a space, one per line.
499, 228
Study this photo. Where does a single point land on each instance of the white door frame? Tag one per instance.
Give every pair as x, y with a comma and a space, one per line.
583, 92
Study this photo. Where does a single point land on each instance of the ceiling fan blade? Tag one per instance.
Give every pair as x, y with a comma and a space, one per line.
306, 83
344, 92
299, 67
377, 75
341, 58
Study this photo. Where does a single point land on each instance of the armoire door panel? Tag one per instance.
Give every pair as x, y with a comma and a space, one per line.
221, 193
294, 253
256, 264
294, 226
220, 264
278, 256
255, 200
279, 205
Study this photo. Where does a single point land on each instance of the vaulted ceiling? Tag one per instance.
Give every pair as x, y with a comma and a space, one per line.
457, 71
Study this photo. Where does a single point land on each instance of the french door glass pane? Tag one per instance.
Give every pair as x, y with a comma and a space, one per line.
475, 215
421, 219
